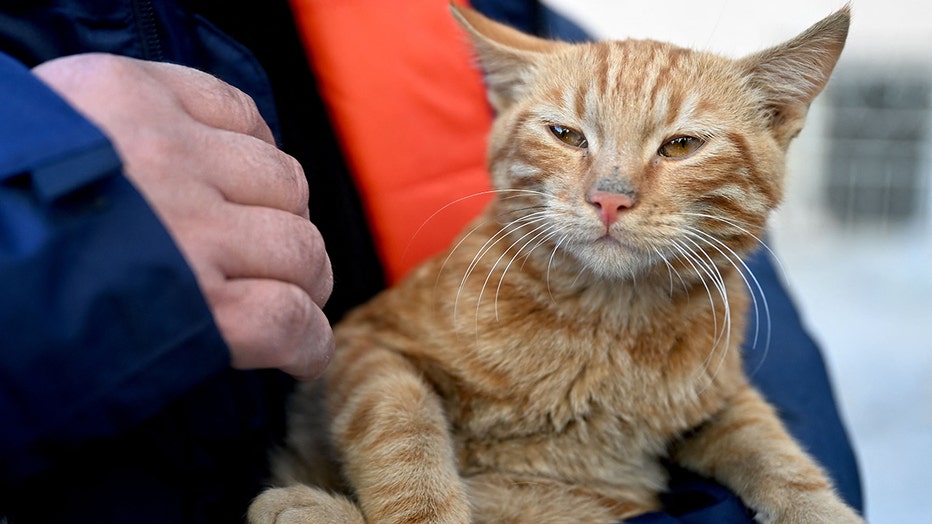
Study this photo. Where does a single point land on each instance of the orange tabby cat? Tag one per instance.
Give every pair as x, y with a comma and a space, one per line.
588, 324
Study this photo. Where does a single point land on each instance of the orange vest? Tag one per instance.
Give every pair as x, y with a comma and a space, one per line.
408, 105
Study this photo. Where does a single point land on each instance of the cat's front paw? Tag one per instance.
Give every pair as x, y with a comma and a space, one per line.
301, 504
814, 508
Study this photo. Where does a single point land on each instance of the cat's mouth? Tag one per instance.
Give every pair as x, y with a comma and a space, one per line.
612, 237
611, 254
615, 243
608, 238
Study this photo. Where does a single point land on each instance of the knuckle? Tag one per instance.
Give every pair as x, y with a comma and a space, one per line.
312, 255
275, 326
325, 282
291, 315
300, 189
243, 110
296, 319
312, 346
264, 328
237, 109
297, 307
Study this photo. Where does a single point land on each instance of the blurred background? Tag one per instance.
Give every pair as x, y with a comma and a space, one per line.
855, 233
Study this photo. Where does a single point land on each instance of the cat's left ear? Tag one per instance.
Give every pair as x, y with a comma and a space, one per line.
509, 58
792, 74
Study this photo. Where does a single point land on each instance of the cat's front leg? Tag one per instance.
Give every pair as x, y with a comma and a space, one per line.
746, 448
393, 439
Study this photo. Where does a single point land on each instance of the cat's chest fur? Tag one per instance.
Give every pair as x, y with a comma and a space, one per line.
591, 384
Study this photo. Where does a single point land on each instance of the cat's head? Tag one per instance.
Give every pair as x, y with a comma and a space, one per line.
629, 154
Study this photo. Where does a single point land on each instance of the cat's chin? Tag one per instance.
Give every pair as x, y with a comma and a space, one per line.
607, 257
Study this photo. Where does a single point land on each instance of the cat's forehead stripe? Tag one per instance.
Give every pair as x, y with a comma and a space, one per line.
638, 76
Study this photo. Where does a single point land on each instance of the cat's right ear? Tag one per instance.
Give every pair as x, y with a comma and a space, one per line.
508, 57
793, 73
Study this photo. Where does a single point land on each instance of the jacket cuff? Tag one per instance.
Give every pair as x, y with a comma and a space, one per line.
46, 140
103, 322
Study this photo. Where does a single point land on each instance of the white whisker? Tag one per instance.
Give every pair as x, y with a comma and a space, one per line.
500, 235
521, 192
744, 276
550, 263
546, 231
737, 224
723, 335
500, 258
690, 259
671, 270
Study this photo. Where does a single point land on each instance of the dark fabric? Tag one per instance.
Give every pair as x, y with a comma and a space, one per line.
117, 402
86, 267
532, 16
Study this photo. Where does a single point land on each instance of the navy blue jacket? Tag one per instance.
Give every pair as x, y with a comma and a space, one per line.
117, 403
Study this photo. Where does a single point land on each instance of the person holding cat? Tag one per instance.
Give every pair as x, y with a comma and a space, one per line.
156, 254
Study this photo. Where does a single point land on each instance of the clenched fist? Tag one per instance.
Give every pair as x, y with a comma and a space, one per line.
205, 160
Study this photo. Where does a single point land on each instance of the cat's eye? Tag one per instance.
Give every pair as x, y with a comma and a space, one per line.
570, 137
681, 146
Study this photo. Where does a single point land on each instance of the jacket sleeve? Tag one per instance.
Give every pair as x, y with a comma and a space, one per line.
102, 323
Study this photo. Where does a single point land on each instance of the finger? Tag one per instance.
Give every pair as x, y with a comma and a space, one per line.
267, 244
211, 100
252, 172
269, 324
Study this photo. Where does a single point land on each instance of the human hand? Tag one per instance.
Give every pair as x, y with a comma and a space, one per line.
206, 161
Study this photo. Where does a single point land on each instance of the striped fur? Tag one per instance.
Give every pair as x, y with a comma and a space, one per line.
541, 369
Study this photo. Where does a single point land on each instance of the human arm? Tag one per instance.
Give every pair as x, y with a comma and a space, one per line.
103, 322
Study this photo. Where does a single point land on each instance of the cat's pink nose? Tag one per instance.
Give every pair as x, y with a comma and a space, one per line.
610, 204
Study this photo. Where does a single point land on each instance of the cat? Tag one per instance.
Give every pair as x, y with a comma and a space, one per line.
587, 326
